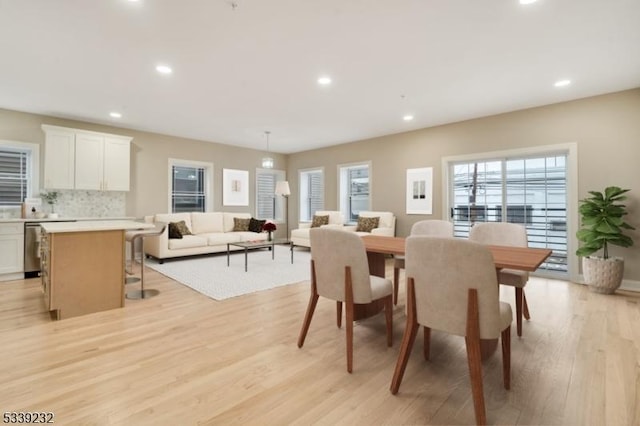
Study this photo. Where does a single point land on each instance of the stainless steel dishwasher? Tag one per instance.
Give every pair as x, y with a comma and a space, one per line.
32, 248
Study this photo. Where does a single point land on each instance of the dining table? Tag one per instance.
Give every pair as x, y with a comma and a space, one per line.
504, 257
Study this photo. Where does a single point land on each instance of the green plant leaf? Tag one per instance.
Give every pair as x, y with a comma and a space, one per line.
601, 218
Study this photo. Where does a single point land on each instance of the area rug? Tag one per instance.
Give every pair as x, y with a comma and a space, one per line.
211, 276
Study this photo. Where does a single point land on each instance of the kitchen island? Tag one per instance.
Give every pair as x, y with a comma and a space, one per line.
83, 265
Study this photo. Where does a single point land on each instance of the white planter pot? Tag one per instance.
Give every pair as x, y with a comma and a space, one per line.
603, 275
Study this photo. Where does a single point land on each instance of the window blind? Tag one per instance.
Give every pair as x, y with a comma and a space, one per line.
14, 177
266, 187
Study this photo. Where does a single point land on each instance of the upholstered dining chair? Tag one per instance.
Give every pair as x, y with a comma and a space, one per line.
452, 287
340, 272
432, 228
507, 234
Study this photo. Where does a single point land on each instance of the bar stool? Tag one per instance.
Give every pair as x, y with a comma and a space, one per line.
128, 236
140, 235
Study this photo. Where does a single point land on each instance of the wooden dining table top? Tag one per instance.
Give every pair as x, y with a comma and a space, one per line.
521, 258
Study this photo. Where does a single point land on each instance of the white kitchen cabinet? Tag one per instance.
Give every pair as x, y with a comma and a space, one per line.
117, 152
11, 250
59, 151
89, 161
101, 161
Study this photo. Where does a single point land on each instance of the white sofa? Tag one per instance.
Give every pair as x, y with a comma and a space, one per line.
300, 236
211, 233
386, 224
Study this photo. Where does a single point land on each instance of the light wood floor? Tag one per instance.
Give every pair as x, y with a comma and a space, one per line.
182, 358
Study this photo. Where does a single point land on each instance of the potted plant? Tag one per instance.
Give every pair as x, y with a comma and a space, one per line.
603, 224
51, 197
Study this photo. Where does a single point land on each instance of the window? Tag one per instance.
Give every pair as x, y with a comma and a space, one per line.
354, 193
19, 164
268, 206
529, 189
311, 193
190, 186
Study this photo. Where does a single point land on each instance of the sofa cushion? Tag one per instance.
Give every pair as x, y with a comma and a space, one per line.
300, 233
366, 224
221, 238
174, 217
202, 223
187, 241
240, 224
255, 225
335, 217
386, 218
319, 221
228, 219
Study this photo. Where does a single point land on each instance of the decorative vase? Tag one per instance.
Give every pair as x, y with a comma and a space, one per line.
603, 275
269, 236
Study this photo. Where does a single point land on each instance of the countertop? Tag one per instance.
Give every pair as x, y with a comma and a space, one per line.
94, 225
60, 219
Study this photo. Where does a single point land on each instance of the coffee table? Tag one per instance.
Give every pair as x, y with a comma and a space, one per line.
256, 245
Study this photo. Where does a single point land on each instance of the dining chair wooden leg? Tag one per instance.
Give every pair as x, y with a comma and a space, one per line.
506, 357
519, 311
472, 340
396, 284
349, 314
525, 307
427, 343
388, 313
410, 332
339, 314
313, 301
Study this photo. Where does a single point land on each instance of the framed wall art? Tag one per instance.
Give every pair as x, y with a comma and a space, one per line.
420, 191
235, 187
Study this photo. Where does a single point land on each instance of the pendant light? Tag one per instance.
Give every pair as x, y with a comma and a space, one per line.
267, 162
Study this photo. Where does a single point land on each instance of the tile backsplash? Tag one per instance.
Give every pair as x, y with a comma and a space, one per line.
76, 203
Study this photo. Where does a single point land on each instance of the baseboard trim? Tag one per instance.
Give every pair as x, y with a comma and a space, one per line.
628, 285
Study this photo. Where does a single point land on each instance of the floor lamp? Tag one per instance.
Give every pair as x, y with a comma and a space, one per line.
282, 188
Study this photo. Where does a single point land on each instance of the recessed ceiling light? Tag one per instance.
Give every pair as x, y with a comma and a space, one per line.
164, 69
115, 114
324, 81
562, 83
408, 117
525, 2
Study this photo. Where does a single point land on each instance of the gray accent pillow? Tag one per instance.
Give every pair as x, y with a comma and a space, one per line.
240, 224
318, 221
366, 224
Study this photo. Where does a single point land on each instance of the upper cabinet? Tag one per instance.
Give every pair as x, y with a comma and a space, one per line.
99, 161
59, 161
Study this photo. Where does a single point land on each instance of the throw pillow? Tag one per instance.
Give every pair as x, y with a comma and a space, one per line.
366, 224
240, 224
183, 228
255, 225
174, 232
318, 221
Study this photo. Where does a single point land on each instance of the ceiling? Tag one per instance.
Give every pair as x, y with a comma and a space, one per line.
243, 67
